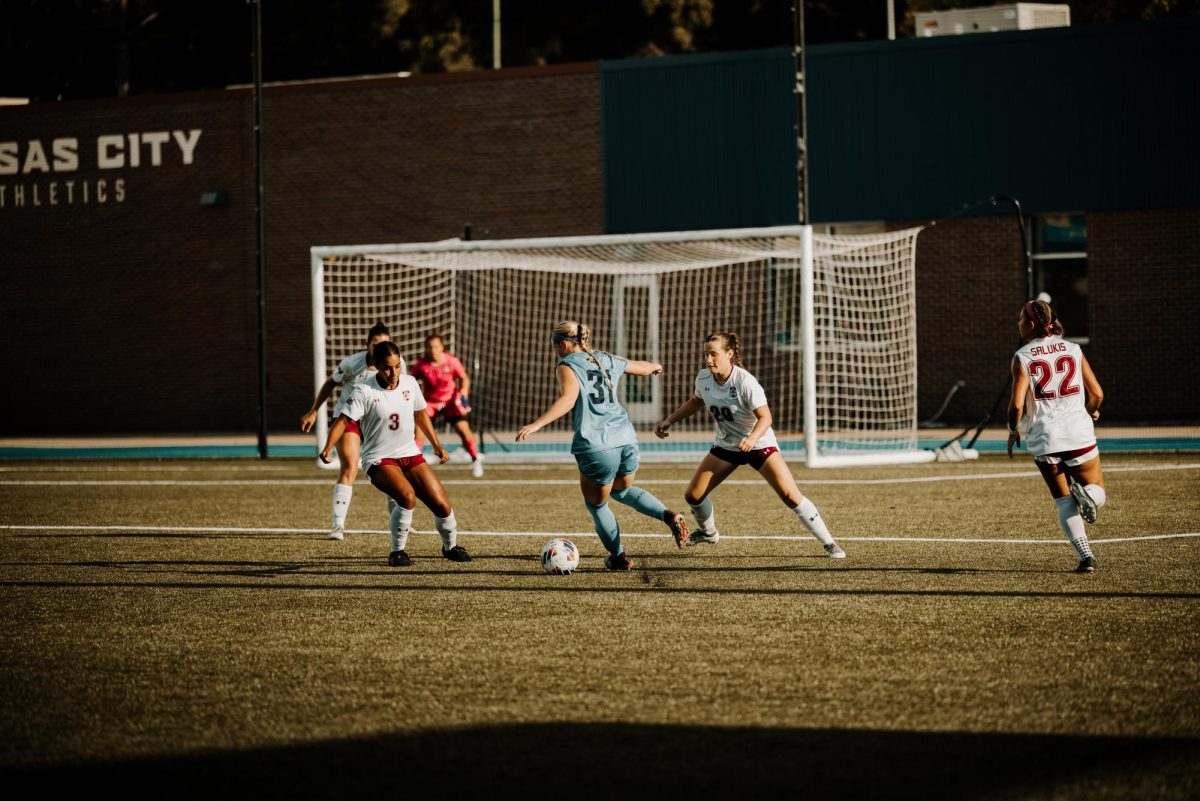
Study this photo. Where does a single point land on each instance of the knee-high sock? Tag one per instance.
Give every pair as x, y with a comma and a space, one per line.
811, 519
342, 493
703, 513
391, 504
472, 448
638, 499
1097, 494
401, 523
606, 526
1072, 525
447, 527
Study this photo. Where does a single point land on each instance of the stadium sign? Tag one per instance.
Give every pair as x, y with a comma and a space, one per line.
35, 161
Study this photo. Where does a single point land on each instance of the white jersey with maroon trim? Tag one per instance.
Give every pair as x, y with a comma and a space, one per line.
731, 406
1056, 417
386, 418
350, 372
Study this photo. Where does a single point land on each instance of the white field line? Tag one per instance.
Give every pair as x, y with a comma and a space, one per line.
583, 534
805, 481
258, 468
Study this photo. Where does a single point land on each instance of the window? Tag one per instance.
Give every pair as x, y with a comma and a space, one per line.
1060, 269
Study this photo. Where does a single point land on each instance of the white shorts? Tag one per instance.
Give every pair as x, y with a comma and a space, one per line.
1071, 458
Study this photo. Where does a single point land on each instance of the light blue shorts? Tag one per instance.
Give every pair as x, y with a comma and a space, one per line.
603, 466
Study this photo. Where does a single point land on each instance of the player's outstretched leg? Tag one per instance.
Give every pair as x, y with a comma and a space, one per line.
432, 492
390, 480
348, 448
777, 474
708, 476
642, 501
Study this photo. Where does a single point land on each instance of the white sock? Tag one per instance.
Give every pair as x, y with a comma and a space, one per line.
810, 518
401, 523
447, 527
391, 503
703, 514
1097, 493
342, 493
1072, 525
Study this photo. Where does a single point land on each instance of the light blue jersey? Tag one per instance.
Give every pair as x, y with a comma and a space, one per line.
600, 420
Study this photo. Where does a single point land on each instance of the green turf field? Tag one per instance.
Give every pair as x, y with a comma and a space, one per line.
185, 626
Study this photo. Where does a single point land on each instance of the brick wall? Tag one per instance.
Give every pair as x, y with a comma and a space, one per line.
970, 287
156, 294
1144, 312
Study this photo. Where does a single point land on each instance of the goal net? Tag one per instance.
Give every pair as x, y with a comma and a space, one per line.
826, 322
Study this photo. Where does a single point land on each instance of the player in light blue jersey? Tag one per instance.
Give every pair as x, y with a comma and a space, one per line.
605, 445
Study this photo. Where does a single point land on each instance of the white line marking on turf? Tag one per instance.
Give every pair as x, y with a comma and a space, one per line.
585, 534
805, 481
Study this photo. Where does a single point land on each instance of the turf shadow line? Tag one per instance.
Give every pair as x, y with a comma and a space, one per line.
561, 586
606, 761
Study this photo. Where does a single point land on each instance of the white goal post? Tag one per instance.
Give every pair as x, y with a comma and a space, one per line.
827, 325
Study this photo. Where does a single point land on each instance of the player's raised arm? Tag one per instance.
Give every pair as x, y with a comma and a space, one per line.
1016, 404
310, 417
1095, 395
335, 433
568, 394
643, 368
422, 421
685, 410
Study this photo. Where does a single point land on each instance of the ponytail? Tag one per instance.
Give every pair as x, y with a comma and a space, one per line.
1044, 320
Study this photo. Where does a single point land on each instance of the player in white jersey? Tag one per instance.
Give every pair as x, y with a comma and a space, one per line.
388, 409
738, 406
1055, 399
350, 372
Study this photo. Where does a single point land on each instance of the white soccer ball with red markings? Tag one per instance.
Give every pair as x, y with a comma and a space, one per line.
560, 557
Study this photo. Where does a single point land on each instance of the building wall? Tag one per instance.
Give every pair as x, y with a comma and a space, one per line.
159, 292
148, 299
970, 287
1143, 293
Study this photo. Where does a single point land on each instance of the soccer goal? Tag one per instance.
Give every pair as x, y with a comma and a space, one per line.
827, 324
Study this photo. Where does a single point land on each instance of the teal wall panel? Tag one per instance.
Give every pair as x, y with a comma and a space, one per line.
1088, 118
695, 142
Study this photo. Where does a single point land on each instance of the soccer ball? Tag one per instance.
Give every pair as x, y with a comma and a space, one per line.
560, 557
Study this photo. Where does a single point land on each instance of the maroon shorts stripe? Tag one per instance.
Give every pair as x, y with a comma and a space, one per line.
405, 463
1065, 455
755, 459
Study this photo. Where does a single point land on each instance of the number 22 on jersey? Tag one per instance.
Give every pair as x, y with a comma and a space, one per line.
1041, 374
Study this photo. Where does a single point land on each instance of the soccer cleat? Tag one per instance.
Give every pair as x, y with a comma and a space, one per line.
833, 551
704, 538
1087, 507
457, 554
477, 467
1087, 564
618, 562
678, 527
338, 533
399, 559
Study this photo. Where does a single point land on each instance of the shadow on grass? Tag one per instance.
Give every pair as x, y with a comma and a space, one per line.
642, 761
639, 581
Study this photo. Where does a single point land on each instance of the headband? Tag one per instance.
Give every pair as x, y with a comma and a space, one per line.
558, 338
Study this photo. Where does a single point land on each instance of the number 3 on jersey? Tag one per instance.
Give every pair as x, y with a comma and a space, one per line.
1040, 374
597, 379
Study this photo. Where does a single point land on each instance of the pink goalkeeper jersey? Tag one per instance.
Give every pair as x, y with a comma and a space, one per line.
438, 378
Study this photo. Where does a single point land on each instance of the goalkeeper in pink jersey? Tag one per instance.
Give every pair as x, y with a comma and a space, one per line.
447, 389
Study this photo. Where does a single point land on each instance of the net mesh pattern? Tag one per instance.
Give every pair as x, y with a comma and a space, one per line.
655, 301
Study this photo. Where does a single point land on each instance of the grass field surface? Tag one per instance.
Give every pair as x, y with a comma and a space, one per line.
184, 627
